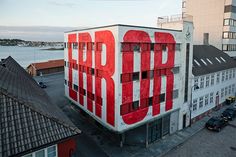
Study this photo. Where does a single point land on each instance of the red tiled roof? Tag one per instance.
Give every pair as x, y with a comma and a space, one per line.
49, 64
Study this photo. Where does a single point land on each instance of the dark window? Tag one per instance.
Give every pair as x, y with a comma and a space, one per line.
82, 91
163, 46
65, 63
90, 95
175, 70
151, 73
135, 105
65, 82
136, 47
186, 72
150, 101
144, 74
162, 97
76, 88
64, 45
135, 76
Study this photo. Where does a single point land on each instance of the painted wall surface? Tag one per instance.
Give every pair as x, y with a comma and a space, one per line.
66, 148
111, 89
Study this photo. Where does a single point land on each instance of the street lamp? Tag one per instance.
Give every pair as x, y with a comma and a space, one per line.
191, 104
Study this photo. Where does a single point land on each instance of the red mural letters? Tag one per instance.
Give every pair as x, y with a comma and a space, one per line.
104, 69
71, 39
161, 39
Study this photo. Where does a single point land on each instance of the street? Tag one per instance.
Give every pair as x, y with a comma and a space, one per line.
209, 144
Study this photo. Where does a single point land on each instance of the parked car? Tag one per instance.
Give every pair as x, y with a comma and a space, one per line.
229, 113
230, 99
216, 123
42, 85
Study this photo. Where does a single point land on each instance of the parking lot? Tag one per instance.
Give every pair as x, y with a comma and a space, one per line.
209, 144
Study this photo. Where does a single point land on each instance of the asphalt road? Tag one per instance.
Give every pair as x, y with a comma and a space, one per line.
86, 147
209, 144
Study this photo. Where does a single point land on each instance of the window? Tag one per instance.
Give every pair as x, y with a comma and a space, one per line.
222, 92
207, 81
40, 153
65, 82
144, 74
135, 105
175, 94
52, 151
75, 87
230, 8
162, 97
233, 89
135, 76
218, 78
212, 79
184, 4
211, 97
29, 155
230, 89
223, 76
207, 99
226, 22
233, 73
226, 91
226, 75
200, 102
177, 46
230, 74
175, 70
202, 82
195, 83
194, 104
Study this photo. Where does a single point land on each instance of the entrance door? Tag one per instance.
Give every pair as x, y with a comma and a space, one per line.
155, 131
184, 121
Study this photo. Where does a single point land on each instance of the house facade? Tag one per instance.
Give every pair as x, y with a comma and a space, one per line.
214, 76
214, 23
127, 76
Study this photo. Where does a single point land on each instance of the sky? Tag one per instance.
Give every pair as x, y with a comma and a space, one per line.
63, 15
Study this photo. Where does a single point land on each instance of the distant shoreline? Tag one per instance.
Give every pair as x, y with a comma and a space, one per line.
53, 49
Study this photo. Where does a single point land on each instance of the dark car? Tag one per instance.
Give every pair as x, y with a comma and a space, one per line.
42, 85
216, 123
229, 113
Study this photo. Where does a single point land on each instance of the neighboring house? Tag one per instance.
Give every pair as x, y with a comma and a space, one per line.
128, 76
214, 75
51, 66
30, 125
214, 23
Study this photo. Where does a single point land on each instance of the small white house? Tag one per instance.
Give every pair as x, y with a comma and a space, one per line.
214, 80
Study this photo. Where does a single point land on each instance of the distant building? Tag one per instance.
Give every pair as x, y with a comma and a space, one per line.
127, 76
214, 23
214, 75
30, 125
51, 66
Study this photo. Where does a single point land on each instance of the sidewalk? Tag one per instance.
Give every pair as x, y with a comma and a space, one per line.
162, 147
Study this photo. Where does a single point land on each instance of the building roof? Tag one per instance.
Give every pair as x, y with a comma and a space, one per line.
28, 119
208, 59
47, 65
124, 25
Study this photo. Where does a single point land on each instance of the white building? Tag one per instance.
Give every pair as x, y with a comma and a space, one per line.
214, 23
214, 75
127, 76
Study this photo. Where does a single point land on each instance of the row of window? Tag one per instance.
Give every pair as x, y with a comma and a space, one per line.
143, 103
49, 152
129, 77
229, 35
125, 47
203, 100
229, 22
228, 90
209, 80
83, 92
229, 47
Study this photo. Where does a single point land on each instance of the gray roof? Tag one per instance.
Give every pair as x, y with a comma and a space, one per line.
208, 59
28, 119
